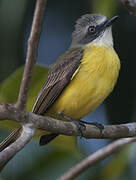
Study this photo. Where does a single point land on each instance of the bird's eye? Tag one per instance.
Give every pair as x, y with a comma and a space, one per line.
91, 29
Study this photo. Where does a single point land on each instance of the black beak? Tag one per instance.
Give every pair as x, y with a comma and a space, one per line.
110, 21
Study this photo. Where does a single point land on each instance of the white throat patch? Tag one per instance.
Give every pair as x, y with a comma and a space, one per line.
104, 40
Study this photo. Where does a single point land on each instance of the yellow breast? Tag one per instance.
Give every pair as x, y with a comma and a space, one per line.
91, 84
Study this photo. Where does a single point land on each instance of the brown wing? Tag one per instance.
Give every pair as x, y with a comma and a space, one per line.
58, 78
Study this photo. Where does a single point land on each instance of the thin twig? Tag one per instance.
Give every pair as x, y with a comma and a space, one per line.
11, 150
95, 157
19, 109
32, 52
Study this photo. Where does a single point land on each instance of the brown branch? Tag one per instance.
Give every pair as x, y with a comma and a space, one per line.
95, 157
34, 121
32, 52
66, 128
18, 111
128, 4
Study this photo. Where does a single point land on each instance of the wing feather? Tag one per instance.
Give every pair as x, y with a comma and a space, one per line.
58, 78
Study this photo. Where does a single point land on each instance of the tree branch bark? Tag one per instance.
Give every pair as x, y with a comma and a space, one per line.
96, 157
20, 106
32, 52
66, 128
33, 122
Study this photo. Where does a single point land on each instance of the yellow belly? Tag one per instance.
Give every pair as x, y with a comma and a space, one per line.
90, 85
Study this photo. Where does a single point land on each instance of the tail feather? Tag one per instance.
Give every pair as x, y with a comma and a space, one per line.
10, 139
45, 139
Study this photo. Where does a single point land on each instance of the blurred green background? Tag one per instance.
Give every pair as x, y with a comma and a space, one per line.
49, 162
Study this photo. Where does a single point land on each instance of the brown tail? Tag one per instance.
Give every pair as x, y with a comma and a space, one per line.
45, 139
10, 139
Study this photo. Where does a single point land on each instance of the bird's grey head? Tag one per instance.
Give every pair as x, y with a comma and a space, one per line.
93, 29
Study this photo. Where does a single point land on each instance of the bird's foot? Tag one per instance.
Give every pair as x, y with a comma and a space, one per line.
82, 124
96, 124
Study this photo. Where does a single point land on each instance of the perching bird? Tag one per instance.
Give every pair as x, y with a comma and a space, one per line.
83, 76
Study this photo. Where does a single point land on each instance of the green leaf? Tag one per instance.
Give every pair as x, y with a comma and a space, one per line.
105, 7
9, 89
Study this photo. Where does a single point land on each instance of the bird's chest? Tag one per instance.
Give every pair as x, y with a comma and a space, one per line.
91, 83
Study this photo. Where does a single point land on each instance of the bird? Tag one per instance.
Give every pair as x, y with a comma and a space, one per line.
81, 78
